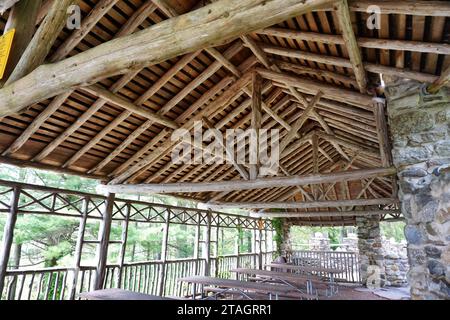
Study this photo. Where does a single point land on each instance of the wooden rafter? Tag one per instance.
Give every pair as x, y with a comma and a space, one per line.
148, 47
351, 45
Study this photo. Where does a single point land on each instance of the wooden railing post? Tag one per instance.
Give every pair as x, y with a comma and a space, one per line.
260, 251
216, 252
197, 244
254, 247
123, 245
79, 249
103, 238
208, 244
162, 270
8, 235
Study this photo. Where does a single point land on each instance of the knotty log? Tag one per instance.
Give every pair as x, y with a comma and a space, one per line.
103, 238
321, 214
21, 18
373, 43
38, 48
352, 46
209, 26
302, 205
8, 235
250, 184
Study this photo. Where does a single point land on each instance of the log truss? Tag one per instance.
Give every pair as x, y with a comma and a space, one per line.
118, 127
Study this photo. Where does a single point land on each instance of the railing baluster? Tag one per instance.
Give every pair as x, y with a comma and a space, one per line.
30, 287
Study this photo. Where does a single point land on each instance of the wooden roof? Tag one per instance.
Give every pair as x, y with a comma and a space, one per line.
78, 132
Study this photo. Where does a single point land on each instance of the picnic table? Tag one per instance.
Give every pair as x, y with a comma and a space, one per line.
118, 294
309, 269
239, 287
288, 278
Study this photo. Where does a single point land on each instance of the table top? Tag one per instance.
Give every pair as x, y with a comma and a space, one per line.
303, 268
237, 284
288, 276
118, 294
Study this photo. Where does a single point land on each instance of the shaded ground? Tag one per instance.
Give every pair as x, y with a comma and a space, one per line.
352, 292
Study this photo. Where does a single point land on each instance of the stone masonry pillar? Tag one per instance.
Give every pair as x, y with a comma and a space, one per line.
286, 244
371, 255
420, 132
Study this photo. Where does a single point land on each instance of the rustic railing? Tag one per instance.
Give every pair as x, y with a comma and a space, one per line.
346, 261
152, 277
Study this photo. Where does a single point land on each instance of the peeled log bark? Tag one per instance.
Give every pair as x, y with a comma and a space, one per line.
209, 26
260, 183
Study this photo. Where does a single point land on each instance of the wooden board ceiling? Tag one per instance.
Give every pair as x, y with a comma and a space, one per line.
117, 138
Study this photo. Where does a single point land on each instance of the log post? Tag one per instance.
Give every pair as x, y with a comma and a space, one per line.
208, 245
260, 251
123, 246
103, 238
254, 247
216, 250
8, 235
162, 269
237, 250
79, 248
197, 244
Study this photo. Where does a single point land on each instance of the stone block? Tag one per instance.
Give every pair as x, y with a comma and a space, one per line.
415, 235
411, 122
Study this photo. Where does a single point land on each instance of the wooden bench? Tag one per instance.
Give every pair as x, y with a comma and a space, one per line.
256, 296
297, 281
118, 294
237, 285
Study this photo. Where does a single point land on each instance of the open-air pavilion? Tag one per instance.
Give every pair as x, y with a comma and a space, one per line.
356, 90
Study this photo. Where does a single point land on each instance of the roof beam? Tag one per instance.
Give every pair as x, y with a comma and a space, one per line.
342, 62
351, 45
255, 124
6, 4
302, 205
409, 7
372, 43
39, 47
208, 26
250, 184
312, 87
132, 24
21, 18
322, 214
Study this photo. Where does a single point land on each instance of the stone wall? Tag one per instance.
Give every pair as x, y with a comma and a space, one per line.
370, 248
286, 245
420, 131
396, 267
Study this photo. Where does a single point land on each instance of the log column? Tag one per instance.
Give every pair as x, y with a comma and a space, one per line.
207, 242
371, 257
103, 242
8, 235
420, 130
164, 252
